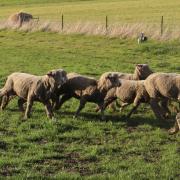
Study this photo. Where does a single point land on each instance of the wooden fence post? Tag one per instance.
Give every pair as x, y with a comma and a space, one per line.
162, 24
62, 22
106, 23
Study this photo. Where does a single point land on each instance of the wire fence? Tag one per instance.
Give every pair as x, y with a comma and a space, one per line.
108, 27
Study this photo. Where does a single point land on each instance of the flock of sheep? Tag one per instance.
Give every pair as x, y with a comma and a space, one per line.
56, 87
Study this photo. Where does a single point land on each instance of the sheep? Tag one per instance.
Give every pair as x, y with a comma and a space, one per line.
129, 92
75, 83
32, 88
19, 18
141, 72
162, 86
87, 90
176, 127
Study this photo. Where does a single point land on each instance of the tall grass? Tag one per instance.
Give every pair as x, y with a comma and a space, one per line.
123, 30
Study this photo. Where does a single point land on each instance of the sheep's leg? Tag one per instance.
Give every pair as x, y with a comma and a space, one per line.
55, 101
133, 110
156, 109
107, 102
5, 101
81, 106
164, 106
48, 108
113, 107
97, 108
102, 108
123, 106
60, 102
28, 107
20, 104
176, 127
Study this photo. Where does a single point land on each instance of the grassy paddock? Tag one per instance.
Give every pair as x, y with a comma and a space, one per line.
136, 148
127, 11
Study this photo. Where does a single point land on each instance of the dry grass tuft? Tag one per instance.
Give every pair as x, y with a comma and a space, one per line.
131, 30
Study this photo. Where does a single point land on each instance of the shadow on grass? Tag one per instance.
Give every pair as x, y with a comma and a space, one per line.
134, 121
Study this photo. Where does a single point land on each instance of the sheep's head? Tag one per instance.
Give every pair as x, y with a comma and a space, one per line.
108, 81
59, 76
142, 71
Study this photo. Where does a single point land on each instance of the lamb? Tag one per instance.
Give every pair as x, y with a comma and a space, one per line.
32, 88
160, 86
87, 90
129, 92
19, 18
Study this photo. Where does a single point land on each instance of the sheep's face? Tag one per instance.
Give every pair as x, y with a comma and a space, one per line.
111, 80
143, 71
59, 76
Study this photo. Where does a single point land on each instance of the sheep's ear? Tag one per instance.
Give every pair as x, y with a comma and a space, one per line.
109, 76
50, 73
139, 66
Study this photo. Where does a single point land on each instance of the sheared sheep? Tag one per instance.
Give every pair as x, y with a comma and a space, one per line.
162, 86
19, 18
32, 88
88, 89
129, 92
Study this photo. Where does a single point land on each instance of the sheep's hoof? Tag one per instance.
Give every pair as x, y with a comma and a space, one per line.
25, 118
102, 118
49, 116
173, 131
1, 109
54, 119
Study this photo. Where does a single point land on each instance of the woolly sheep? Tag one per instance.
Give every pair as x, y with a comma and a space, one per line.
141, 72
32, 88
162, 86
129, 92
88, 89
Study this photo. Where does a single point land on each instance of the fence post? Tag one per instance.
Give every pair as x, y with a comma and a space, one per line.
62, 22
162, 23
106, 23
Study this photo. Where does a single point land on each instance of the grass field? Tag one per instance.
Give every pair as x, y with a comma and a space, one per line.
126, 11
126, 18
118, 148
88, 148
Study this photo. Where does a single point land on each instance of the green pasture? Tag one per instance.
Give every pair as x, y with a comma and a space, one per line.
85, 148
118, 11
